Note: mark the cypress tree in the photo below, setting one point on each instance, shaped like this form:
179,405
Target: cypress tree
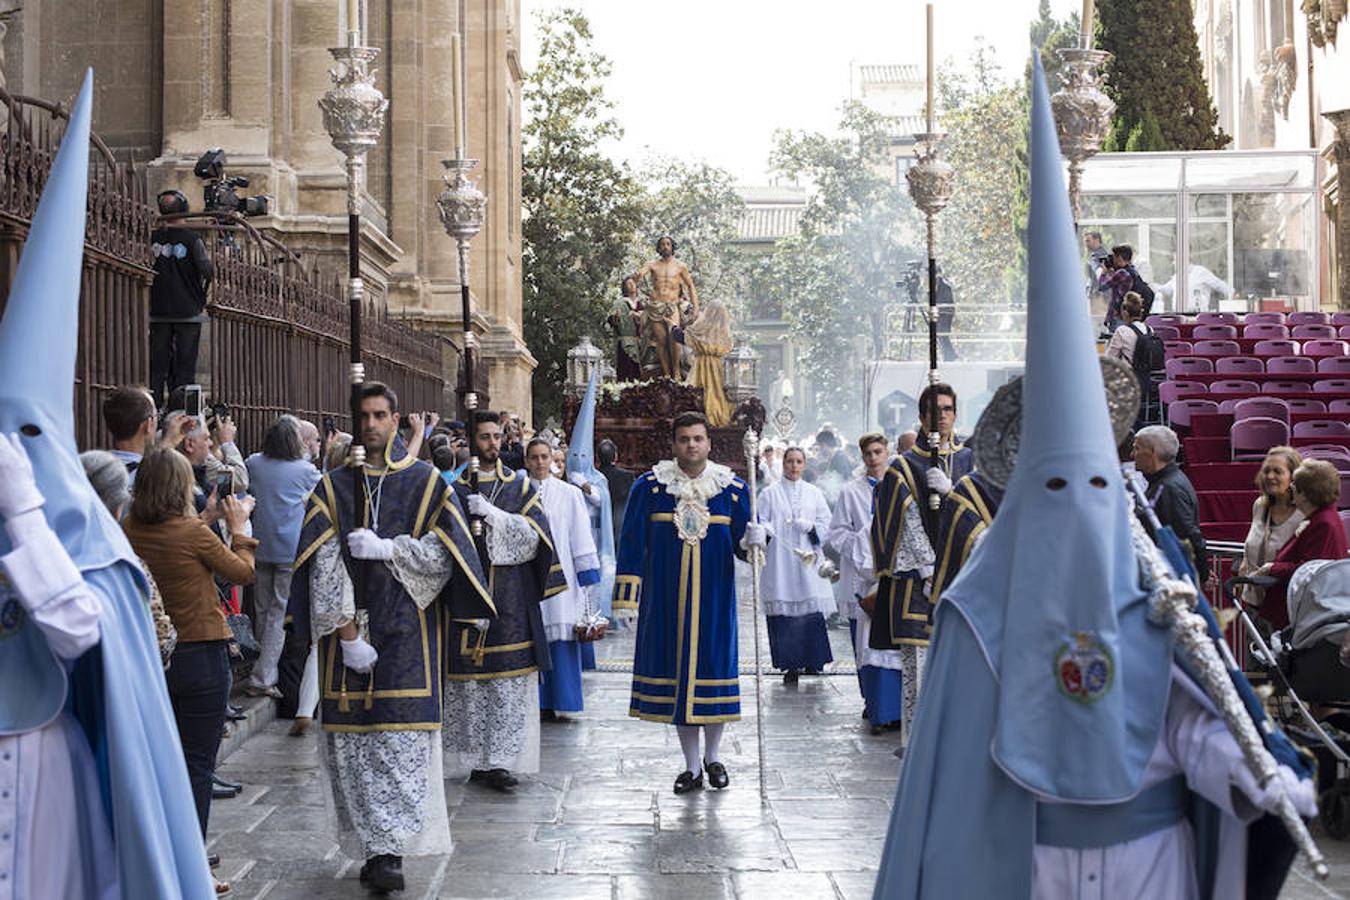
1146,135
1155,66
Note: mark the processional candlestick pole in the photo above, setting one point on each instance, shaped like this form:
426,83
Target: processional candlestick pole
1082,111
930,186
353,115
750,444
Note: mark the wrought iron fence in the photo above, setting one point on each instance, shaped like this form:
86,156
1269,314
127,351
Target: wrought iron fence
278,329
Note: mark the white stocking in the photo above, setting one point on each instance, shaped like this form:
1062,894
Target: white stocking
712,742
689,744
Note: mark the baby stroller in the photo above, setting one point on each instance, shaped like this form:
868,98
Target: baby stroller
1304,654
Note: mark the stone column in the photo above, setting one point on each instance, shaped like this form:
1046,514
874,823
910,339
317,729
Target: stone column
1341,151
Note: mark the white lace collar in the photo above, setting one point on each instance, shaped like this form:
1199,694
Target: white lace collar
712,481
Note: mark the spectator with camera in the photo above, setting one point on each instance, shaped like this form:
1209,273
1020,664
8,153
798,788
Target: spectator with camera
129,414
183,273
280,479
184,557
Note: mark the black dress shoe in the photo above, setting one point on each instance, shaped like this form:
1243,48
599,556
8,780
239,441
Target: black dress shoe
213,860
383,874
501,780
791,676
234,713
223,793
478,775
717,774
813,671
547,715
221,782
688,781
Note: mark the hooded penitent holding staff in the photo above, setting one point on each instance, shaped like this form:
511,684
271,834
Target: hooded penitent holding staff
97,802
1059,750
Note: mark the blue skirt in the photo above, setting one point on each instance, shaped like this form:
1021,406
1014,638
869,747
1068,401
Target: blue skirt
881,690
799,642
588,656
560,689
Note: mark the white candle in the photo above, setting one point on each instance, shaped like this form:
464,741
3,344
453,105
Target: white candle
457,86
354,17
931,116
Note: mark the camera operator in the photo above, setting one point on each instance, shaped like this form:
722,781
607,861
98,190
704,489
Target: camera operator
183,273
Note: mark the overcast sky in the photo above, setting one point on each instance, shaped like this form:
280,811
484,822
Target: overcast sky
713,79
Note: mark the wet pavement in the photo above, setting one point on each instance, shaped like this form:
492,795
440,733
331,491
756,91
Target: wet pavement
600,820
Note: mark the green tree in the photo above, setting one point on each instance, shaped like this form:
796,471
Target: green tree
1155,65
580,209
697,204
1145,135
835,280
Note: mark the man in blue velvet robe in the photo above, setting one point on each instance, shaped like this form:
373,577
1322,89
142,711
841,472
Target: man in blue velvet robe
967,513
906,530
380,655
492,696
685,521
96,800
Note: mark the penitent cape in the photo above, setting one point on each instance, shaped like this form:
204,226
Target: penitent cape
115,690
581,461
1054,578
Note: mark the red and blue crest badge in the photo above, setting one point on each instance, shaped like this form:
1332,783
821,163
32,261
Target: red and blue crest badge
1084,668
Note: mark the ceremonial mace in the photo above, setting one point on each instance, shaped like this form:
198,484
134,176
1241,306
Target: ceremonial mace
353,115
930,186
462,209
1173,605
1081,110
751,445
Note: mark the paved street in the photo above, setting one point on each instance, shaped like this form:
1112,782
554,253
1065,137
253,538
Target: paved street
600,821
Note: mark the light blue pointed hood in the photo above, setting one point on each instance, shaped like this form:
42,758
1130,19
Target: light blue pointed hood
1053,591
39,335
581,461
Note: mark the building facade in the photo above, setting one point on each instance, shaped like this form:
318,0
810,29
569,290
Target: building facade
175,78
1279,71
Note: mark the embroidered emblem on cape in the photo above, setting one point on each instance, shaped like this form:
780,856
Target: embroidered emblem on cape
11,611
1084,668
692,495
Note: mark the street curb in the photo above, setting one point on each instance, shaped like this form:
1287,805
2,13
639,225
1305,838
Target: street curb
259,712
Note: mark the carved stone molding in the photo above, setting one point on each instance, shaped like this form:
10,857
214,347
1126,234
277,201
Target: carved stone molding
1340,119
1324,18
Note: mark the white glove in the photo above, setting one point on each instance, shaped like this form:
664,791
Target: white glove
577,478
358,655
1286,781
482,507
18,489
938,482
481,624
756,535
366,544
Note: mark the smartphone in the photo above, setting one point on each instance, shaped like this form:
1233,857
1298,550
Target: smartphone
192,400
224,485
329,425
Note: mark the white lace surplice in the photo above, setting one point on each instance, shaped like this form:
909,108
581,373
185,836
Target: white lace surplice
493,723
385,787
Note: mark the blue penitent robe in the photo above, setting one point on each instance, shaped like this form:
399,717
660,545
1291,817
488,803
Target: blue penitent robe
685,664
967,513
904,612
404,690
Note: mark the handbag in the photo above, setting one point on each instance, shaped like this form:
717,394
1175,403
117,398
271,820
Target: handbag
243,646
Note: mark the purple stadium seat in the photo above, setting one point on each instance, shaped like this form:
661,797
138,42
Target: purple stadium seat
1172,390
1326,348
1290,365
1262,408
1251,438
1340,318
1228,407
1339,407
1239,365
1332,386
1166,332
1314,332
1344,333
1322,428
1344,502
1335,365
1179,412
1301,387
1345,518
1306,405
1216,318
1157,319
1308,318
1276,348
1263,331
1233,386
1182,366
1264,318
1325,451
1176,348
1215,332
1217,348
